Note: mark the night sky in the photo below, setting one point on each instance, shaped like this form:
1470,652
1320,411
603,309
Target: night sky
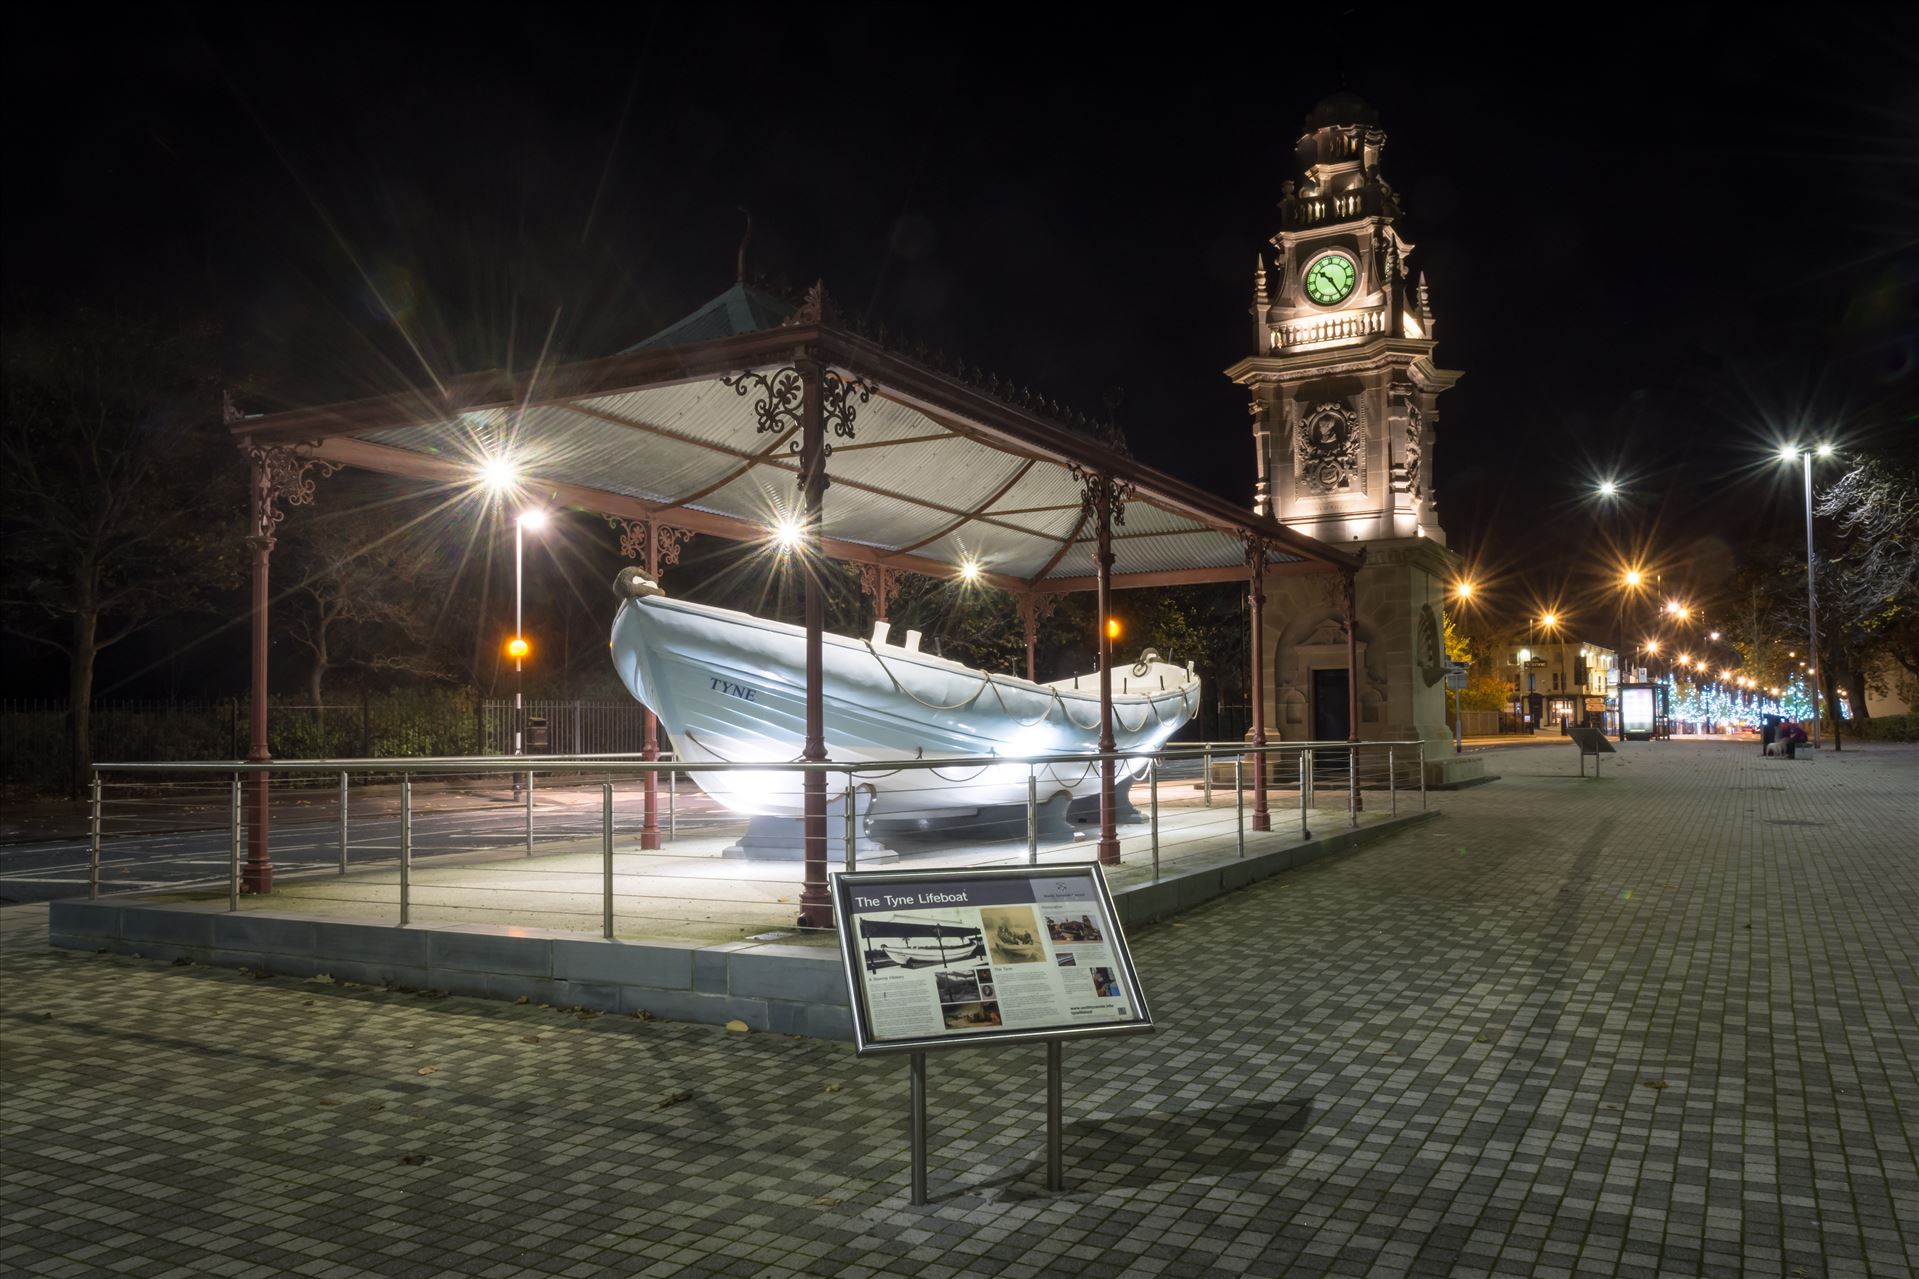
1654,244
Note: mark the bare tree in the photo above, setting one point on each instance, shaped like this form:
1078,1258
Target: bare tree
1875,508
368,591
122,498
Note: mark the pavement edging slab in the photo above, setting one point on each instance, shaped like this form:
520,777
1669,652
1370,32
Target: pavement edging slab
771,987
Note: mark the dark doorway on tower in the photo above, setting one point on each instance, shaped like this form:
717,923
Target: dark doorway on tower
1331,713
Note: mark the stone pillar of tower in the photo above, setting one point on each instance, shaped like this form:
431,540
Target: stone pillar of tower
1344,410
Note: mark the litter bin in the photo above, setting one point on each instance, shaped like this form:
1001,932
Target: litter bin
538,737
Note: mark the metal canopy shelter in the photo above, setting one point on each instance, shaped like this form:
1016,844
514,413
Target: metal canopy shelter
933,469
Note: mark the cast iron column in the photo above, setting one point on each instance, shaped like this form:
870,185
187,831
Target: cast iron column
649,722
1108,848
275,472
258,874
1262,819
1352,688
816,910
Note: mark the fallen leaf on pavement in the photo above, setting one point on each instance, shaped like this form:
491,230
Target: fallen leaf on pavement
673,1100
426,1070
531,1039
1657,1083
738,1026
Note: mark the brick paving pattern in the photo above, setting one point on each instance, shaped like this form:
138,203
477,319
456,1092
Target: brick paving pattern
1659,1024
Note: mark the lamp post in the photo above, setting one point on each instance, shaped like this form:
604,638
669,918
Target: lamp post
1789,454
1632,580
533,519
1463,593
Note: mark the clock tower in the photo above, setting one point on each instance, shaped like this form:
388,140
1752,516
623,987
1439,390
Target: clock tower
1344,410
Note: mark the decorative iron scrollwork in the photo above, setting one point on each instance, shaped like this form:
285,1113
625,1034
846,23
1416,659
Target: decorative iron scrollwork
881,584
781,395
1097,489
782,400
839,400
280,471
634,534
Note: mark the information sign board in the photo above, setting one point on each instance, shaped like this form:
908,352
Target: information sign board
961,956
1456,677
1636,709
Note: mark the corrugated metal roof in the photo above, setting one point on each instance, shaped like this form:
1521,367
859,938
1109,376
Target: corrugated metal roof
906,481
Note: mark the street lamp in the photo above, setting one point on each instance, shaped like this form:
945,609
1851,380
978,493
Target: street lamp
1629,583
533,520
1788,455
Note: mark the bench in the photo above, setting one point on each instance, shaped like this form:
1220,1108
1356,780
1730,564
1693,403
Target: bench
1590,741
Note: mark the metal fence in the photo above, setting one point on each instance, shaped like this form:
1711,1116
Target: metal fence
566,727
564,842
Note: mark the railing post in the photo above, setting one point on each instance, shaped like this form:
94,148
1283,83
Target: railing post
1239,803
1305,794
343,823
1032,816
1422,776
233,851
529,812
1208,761
93,838
406,850
606,861
672,817
1392,781
1154,766
852,825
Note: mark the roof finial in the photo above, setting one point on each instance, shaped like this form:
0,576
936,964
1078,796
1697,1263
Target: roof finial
739,270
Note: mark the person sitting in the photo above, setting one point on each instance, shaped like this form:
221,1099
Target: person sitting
1791,734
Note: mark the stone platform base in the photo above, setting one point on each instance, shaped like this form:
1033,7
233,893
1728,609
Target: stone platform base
797,990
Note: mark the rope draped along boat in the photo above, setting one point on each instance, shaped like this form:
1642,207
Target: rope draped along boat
732,688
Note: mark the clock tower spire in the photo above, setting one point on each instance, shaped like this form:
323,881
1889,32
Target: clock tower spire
1342,377
1344,395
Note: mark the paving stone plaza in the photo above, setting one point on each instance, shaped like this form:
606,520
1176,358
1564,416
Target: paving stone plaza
1662,1023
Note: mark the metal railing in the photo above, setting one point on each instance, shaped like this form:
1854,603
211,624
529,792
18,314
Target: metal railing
464,838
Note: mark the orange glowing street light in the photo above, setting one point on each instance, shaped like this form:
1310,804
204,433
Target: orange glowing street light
1112,628
517,648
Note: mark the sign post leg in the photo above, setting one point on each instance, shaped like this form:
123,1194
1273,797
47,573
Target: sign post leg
917,1130
1055,1118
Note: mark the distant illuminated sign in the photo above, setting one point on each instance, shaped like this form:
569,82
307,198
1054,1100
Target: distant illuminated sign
1636,710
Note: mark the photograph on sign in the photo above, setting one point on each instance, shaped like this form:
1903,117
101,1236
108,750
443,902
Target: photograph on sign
940,958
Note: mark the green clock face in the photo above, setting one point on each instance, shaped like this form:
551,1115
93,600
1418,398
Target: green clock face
1330,278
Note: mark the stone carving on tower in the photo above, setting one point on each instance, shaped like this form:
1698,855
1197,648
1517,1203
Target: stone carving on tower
1329,450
